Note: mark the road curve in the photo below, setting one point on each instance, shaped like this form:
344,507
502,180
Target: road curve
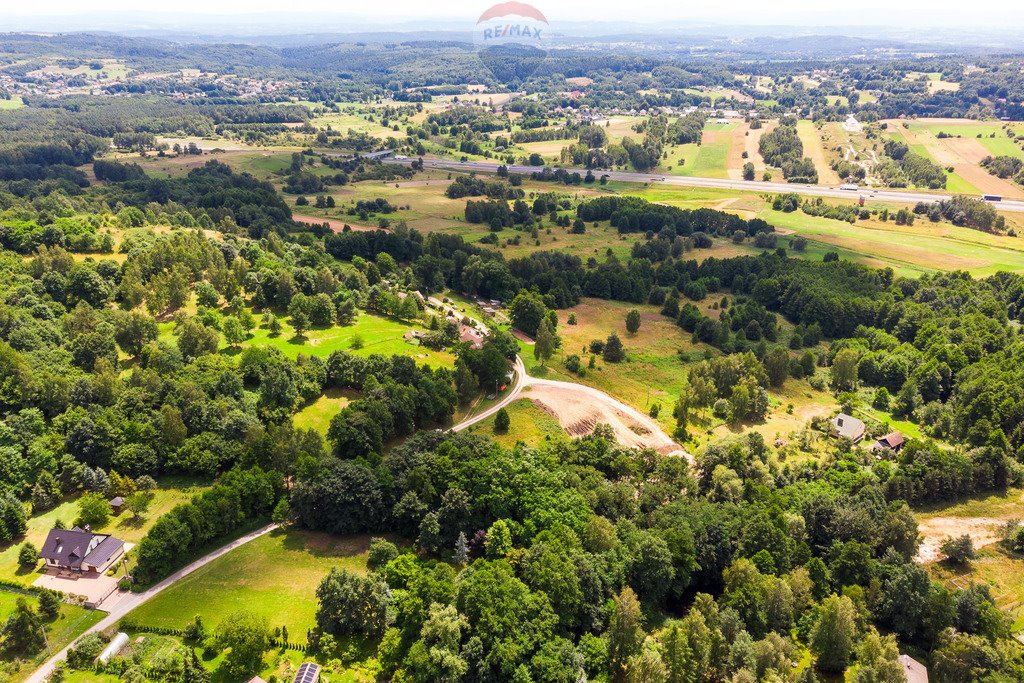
130,602
523,380
513,393
889,195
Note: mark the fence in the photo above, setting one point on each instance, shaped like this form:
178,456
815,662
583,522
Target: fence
180,633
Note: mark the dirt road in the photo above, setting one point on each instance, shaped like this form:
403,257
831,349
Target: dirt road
579,408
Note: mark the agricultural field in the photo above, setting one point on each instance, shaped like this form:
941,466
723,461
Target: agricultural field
923,247
356,120
712,158
963,155
814,150
274,576
934,81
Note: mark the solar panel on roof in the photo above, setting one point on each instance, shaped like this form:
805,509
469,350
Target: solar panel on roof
309,672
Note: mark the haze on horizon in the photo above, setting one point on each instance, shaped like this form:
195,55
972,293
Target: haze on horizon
232,16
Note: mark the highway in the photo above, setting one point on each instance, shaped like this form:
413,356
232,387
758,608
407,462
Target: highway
887,195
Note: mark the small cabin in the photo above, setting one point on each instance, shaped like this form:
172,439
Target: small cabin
913,670
848,427
116,505
893,441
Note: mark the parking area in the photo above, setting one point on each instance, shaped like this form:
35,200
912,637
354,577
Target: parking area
95,588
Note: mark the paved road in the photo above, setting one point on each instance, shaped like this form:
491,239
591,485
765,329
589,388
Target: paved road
909,196
512,394
130,602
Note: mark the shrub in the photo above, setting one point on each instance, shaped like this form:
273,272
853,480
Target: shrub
28,555
502,421
381,552
959,550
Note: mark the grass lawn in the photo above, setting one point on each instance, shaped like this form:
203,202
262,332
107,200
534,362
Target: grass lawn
528,424
172,491
708,159
653,373
12,103
378,335
275,576
349,120
999,569
317,415
71,623
713,155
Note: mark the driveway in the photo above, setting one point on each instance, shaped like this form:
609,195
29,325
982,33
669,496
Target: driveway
93,587
126,602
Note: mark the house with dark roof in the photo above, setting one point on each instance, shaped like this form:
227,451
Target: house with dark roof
848,427
893,441
80,550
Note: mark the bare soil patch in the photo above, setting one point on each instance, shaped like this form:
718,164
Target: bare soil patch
335,224
734,162
982,530
580,410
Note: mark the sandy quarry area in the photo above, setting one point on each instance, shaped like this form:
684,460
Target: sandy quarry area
982,530
579,409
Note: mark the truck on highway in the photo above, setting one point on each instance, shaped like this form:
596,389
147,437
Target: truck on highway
852,187
992,198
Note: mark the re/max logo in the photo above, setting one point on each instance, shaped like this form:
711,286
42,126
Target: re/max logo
512,31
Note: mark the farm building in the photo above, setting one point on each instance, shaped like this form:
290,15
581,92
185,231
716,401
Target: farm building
848,427
893,441
308,672
80,550
913,670
474,338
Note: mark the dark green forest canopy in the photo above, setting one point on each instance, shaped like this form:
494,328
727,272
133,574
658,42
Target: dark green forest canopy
103,376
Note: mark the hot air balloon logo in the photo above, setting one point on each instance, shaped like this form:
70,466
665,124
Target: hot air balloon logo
512,40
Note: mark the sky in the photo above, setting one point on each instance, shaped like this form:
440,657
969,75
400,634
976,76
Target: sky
909,13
